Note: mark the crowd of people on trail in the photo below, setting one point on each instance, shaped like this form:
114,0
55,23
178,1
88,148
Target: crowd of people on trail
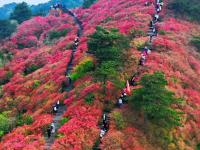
56,6
105,126
122,99
56,9
76,42
145,52
51,129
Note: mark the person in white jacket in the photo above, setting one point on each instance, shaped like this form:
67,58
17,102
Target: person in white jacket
53,129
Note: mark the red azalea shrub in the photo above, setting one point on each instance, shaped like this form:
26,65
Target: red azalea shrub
81,130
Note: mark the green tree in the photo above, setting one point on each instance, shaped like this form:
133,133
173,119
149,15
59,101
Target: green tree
107,45
88,3
119,120
155,101
6,29
21,12
107,71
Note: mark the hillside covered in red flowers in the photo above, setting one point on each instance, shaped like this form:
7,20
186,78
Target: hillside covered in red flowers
31,82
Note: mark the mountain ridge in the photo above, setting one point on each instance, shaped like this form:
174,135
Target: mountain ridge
46,59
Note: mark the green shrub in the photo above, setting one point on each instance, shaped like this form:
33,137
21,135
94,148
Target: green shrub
5,57
36,83
162,32
57,34
107,20
141,46
1,91
22,120
68,46
89,99
9,75
81,69
119,121
31,69
64,120
96,145
60,135
136,33
108,107
196,42
5,124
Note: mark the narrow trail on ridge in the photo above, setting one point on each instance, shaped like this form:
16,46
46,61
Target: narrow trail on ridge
138,70
69,87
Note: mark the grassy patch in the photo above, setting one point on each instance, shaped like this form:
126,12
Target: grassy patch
119,120
89,99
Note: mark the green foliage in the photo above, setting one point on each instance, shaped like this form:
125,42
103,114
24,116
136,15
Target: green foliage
89,99
119,121
60,135
198,146
21,12
31,69
64,120
88,3
189,8
1,91
196,42
57,34
22,120
162,32
155,101
68,46
81,69
9,75
136,33
107,20
4,124
141,46
36,83
96,145
6,29
108,107
107,45
107,71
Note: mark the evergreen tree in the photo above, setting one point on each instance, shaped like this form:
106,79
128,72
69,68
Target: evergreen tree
107,45
21,12
107,72
155,101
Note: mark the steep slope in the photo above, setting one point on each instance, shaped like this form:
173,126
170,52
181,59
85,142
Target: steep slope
171,53
35,91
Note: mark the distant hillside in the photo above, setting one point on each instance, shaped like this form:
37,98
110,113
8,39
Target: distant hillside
37,9
6,10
